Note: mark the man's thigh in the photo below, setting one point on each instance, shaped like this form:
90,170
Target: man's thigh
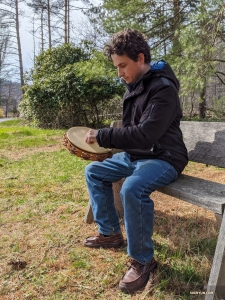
148,175
111,169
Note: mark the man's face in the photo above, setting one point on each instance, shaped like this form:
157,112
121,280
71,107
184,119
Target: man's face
128,69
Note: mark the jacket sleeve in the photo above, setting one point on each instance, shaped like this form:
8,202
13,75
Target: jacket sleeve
157,117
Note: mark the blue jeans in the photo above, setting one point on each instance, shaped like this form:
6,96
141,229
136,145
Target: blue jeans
142,178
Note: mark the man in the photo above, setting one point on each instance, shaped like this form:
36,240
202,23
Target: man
154,154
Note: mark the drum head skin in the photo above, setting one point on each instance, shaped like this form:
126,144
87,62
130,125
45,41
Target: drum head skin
76,136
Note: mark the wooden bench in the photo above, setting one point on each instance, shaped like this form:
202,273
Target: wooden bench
205,142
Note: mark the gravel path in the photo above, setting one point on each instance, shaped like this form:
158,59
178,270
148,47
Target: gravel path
5,119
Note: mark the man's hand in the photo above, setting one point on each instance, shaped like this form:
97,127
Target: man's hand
90,136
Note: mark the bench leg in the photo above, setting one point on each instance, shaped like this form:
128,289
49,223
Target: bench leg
88,218
216,284
219,219
117,200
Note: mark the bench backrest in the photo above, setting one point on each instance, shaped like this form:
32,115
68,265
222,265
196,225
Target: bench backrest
205,141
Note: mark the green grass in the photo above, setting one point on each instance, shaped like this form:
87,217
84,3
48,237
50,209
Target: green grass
42,182
14,135
43,198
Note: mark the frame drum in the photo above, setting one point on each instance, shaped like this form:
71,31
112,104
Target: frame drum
74,141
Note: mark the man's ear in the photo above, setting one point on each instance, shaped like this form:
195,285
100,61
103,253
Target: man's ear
141,58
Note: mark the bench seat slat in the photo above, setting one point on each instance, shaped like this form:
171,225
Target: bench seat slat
204,193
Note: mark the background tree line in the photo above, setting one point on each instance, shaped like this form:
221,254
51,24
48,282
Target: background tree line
189,34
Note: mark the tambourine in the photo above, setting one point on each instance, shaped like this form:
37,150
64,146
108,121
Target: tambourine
74,141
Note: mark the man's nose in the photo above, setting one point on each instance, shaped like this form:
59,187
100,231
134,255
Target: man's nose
120,72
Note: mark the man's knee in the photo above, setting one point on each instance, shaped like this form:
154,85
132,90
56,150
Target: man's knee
91,168
136,191
127,191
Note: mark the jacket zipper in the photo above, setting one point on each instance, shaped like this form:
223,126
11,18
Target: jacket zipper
133,112
151,110
150,113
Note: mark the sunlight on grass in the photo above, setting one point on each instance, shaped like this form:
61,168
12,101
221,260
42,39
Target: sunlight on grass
17,137
9,123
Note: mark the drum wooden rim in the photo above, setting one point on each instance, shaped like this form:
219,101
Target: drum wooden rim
76,136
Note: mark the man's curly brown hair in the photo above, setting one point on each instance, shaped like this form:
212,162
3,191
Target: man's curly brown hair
130,42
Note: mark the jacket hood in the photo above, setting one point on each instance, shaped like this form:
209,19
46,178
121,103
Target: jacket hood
159,68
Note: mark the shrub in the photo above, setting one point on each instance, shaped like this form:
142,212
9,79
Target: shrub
69,88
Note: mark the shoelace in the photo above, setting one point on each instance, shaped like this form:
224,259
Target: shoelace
134,264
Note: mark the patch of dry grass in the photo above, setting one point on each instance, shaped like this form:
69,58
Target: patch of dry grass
43,199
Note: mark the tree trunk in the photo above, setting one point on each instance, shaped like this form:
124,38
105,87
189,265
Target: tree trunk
68,19
8,98
34,42
176,27
42,30
66,22
202,103
49,26
19,44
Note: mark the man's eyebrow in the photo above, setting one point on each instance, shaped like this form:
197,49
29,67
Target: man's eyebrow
119,64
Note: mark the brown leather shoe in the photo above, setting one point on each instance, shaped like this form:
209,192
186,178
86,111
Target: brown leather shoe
112,241
137,276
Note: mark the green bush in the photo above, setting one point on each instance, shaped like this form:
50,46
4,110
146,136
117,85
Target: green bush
69,88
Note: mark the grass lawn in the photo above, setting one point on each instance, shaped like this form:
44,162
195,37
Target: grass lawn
43,198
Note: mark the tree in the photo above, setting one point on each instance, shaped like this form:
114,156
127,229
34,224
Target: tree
67,21
4,44
159,20
10,96
52,19
18,41
6,51
200,42
12,11
184,32
46,10
69,88
6,47
90,34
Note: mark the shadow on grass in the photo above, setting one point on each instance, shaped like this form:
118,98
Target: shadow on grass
184,247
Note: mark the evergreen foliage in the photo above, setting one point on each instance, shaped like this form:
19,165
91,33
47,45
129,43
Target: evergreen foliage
189,34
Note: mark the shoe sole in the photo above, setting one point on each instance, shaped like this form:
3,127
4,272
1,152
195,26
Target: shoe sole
115,246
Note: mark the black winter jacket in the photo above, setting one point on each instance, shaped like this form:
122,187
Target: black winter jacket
151,120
